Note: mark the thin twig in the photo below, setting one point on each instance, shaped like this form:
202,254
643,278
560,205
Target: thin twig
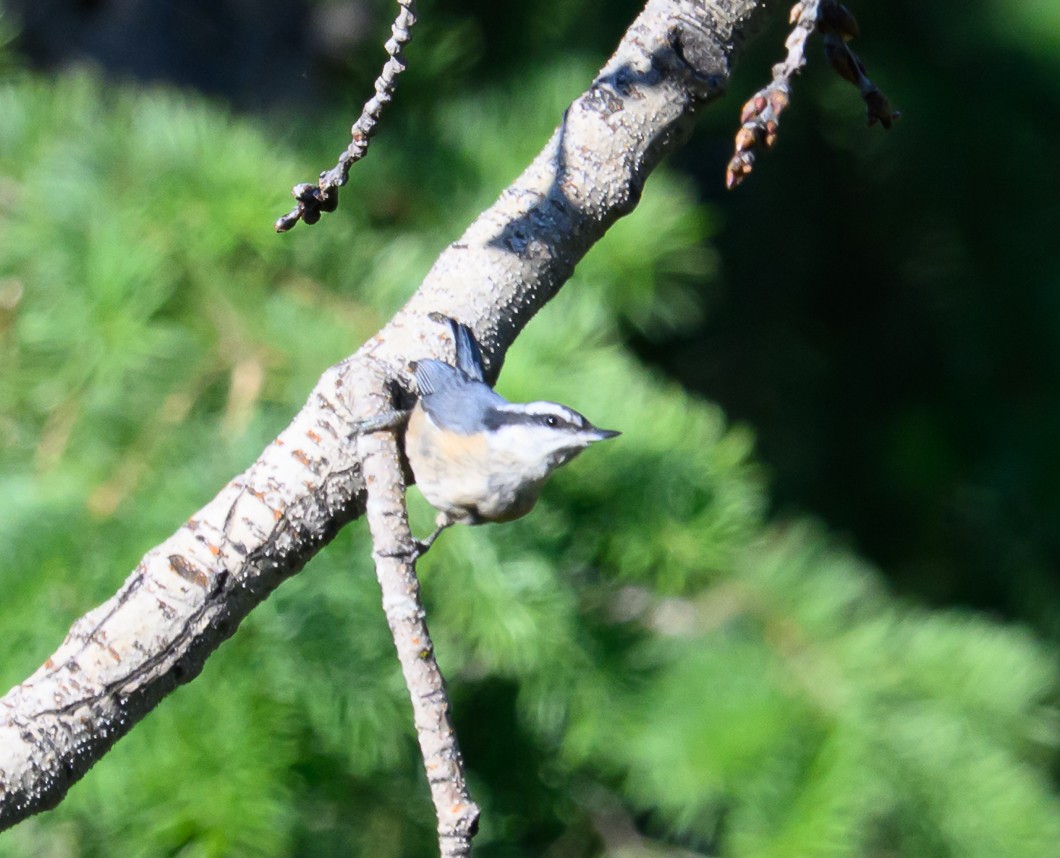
838,26
394,552
313,200
760,116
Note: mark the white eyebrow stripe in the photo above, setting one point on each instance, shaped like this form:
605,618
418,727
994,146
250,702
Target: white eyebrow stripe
542,409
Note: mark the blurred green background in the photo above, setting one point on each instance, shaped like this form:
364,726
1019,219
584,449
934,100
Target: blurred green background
807,605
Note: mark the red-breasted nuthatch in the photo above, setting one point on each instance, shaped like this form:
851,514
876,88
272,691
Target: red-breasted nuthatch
477,457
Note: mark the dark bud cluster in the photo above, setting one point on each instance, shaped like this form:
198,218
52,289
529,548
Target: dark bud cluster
838,27
312,202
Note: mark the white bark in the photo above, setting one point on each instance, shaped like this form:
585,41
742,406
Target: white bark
190,593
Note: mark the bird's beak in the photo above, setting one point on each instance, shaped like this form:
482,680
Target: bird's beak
604,434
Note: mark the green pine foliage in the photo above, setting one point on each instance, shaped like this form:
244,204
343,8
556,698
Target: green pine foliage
646,665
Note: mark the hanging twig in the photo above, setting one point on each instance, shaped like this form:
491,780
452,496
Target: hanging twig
313,200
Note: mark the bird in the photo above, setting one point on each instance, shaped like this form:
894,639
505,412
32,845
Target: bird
477,457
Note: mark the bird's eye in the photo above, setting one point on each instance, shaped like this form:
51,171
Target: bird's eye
551,421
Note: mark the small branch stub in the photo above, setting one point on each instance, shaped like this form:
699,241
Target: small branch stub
760,116
315,200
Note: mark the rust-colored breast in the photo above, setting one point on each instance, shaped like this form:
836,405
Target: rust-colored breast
451,469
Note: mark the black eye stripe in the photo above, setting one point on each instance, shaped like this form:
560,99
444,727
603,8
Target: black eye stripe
504,417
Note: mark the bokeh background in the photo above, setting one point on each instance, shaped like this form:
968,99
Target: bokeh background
808,605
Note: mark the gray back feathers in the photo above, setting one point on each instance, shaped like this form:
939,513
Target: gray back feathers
457,398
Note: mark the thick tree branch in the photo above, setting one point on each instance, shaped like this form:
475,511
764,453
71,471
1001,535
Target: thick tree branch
190,593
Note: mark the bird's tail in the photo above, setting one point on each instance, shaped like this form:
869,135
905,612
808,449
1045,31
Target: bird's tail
468,353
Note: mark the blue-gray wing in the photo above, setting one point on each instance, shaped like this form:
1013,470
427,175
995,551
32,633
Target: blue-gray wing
452,400
435,376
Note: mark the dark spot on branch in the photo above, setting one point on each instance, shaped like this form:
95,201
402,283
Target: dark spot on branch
188,571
